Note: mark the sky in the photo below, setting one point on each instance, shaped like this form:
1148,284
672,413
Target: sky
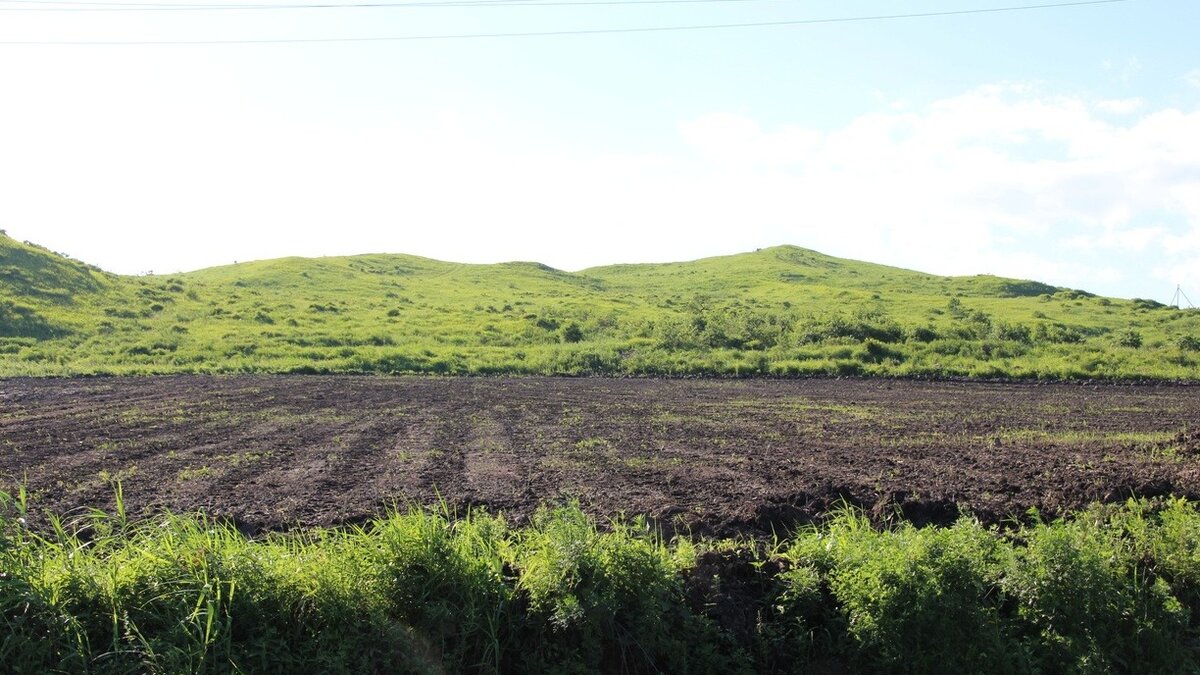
1057,143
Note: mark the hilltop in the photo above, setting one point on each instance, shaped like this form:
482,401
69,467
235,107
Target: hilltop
780,310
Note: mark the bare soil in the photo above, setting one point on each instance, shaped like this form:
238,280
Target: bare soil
717,457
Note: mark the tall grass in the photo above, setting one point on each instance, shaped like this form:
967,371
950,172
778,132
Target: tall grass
1113,590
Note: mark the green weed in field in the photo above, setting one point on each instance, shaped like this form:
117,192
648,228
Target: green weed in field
1115,589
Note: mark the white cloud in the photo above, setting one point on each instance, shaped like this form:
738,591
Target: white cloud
1126,72
1001,179
1120,106
1133,240
1193,78
726,137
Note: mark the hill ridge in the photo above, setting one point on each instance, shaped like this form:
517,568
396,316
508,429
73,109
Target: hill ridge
8,244
781,310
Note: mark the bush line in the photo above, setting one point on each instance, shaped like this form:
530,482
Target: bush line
1116,589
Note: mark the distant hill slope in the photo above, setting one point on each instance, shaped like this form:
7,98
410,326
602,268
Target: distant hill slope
32,277
781,310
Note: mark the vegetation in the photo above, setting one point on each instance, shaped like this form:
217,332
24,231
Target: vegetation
1115,590
777,311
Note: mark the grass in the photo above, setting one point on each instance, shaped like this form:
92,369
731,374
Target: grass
1116,589
776,311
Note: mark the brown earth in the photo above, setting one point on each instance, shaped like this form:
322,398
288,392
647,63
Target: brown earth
710,456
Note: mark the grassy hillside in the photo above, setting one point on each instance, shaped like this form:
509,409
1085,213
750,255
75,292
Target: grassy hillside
781,310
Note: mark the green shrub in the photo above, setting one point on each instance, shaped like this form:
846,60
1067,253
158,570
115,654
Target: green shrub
860,327
1107,592
1130,338
605,602
923,334
846,368
1012,332
446,579
788,633
1188,343
915,600
1084,606
1059,334
572,333
1170,538
877,352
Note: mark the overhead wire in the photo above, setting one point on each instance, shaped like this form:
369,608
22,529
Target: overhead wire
572,32
181,7
91,6
114,3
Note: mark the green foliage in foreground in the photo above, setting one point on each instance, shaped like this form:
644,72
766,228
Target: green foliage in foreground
1115,590
781,311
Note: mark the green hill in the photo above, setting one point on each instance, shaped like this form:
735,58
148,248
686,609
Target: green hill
781,310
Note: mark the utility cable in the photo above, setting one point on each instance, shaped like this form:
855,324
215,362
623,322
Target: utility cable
169,7
585,31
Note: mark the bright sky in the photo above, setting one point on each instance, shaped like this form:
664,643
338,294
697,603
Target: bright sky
1061,144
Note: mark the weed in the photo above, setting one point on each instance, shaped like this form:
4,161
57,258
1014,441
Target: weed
1114,589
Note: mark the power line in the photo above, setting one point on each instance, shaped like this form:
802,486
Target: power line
586,31
135,5
175,7
110,3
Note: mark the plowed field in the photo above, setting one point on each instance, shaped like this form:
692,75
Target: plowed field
709,456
